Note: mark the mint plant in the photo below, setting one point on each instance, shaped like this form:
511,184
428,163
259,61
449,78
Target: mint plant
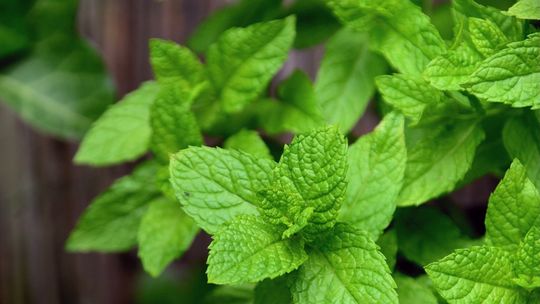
332,222
270,219
505,269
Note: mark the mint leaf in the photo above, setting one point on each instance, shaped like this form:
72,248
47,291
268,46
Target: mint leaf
526,262
525,9
172,62
165,232
243,60
449,71
426,235
521,138
486,36
111,221
463,9
510,76
60,88
297,109
347,267
216,185
398,29
443,153
513,208
248,250
344,83
410,95
250,142
313,169
174,126
376,169
122,133
412,291
476,275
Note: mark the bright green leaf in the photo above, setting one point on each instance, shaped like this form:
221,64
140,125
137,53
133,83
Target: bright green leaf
216,185
123,132
345,268
172,62
476,275
398,29
248,250
174,126
344,83
525,9
250,142
165,233
376,170
514,207
111,221
244,60
525,263
510,76
521,136
438,157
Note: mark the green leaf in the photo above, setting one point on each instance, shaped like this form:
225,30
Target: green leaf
346,268
165,233
344,83
449,71
248,250
389,247
521,136
216,185
122,133
250,142
376,169
273,292
244,60
298,109
513,208
476,275
526,264
172,62
59,89
442,153
310,175
412,291
426,235
111,221
510,76
174,126
243,13
398,29
464,9
410,95
486,36
525,9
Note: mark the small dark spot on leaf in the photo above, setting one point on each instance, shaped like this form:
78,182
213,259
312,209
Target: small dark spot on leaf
187,194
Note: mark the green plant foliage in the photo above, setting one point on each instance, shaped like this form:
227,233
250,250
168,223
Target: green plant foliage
300,208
